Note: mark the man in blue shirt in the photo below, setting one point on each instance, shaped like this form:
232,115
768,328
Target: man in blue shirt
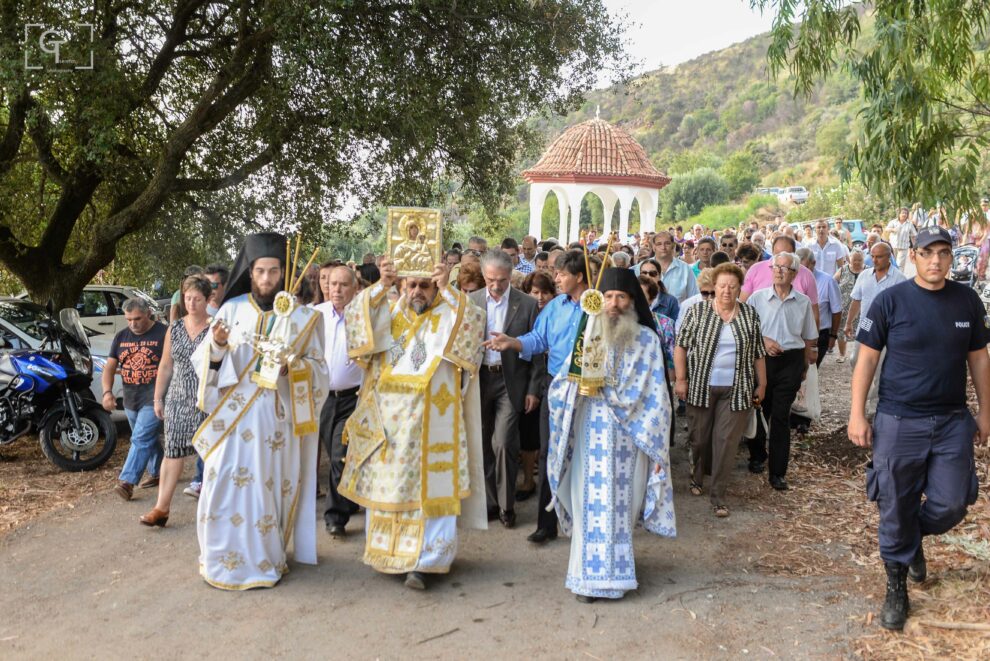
923,433
553,333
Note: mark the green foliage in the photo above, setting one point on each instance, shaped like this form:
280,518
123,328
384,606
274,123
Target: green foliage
850,200
220,117
924,72
689,193
741,172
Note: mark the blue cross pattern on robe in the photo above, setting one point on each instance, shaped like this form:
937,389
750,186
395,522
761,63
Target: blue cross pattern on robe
596,507
598,424
623,481
636,427
651,402
596,565
621,510
598,451
624,453
597,479
622,564
595,536
641,367
633,393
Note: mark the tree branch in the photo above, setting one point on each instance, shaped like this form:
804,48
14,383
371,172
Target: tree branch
11,143
41,135
234,177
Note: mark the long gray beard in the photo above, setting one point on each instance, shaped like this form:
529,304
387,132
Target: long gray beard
620,332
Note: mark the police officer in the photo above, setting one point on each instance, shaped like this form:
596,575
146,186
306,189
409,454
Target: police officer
923,434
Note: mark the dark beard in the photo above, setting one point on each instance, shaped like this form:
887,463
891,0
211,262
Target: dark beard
264,302
618,333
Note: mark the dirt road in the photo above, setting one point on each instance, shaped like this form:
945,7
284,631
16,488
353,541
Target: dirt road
90,582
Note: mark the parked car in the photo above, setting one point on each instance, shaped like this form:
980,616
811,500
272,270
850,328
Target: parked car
793,194
19,330
857,232
773,190
101,307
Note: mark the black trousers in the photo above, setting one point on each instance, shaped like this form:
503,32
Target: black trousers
824,336
336,411
784,374
545,520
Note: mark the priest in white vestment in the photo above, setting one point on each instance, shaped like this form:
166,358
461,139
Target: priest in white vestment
609,465
414,440
259,443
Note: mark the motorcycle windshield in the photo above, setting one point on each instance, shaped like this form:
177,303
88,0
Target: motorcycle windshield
70,322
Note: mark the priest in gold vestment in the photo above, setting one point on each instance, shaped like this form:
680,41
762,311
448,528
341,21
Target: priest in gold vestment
414,441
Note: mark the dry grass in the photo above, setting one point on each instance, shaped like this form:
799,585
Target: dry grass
30,486
826,527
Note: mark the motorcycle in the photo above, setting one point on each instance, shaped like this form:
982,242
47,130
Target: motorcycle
48,390
964,265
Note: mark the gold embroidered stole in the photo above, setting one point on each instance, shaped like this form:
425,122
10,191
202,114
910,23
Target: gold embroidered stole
239,398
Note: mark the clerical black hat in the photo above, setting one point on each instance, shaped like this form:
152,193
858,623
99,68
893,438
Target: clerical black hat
256,246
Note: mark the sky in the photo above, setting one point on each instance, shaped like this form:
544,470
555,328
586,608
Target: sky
669,32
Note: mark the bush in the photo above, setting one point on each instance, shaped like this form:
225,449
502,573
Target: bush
730,215
690,193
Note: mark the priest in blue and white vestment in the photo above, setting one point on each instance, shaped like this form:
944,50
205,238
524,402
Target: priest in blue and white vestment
609,464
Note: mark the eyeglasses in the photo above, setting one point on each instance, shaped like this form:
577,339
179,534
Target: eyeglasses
728,244
707,294
925,253
779,267
651,273
476,253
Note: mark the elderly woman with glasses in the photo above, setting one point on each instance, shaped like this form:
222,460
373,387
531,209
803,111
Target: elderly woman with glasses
720,372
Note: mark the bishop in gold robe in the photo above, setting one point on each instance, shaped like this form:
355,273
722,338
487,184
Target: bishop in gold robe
414,441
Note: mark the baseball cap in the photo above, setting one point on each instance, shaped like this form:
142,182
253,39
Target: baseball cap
929,235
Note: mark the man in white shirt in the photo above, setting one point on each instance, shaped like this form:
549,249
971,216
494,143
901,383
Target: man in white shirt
678,277
903,240
830,254
509,386
829,305
339,285
790,336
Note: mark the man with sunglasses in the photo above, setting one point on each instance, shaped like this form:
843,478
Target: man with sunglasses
923,433
728,244
217,274
676,276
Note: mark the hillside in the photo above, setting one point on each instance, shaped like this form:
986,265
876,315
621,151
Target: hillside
713,106
724,111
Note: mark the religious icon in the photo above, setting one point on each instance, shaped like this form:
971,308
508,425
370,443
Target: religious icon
414,244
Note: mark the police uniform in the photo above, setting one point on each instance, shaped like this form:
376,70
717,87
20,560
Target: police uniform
923,432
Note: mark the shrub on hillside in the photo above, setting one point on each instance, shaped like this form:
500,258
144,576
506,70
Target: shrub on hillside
689,193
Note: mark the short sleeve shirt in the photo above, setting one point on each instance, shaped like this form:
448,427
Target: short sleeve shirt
138,357
928,336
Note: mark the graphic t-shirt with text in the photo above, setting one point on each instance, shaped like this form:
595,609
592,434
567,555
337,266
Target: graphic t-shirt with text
137,361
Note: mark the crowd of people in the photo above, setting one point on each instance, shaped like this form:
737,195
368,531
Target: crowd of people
498,349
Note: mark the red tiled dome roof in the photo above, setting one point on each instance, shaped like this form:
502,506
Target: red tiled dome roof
596,152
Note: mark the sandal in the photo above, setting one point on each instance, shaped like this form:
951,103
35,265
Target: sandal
721,511
695,488
840,359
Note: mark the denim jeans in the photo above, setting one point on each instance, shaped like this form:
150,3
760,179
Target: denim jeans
146,451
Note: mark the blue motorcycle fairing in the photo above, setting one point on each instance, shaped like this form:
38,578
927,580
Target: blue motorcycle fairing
36,370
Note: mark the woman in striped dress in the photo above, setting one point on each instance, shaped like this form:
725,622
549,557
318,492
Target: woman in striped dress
177,378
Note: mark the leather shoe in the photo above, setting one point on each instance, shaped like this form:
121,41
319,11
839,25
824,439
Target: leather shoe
523,494
756,466
492,513
541,536
124,489
778,483
155,517
585,599
149,481
918,569
336,530
508,518
415,581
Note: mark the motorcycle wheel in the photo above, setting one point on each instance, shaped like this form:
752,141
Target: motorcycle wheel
79,449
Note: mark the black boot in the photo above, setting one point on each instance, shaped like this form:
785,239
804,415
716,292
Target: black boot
896,606
918,569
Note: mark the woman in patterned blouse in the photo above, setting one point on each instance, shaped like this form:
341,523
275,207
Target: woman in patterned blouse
720,371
